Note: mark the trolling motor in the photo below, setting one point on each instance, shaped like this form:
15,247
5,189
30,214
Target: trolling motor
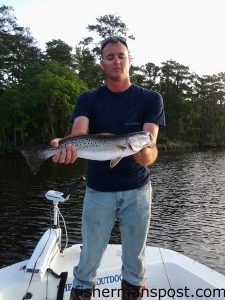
50,243
57,197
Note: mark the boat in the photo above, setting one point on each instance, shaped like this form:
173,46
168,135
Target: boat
48,273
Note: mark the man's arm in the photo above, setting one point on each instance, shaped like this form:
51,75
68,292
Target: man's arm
68,155
147,156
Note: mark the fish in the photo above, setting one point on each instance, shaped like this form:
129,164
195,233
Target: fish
99,147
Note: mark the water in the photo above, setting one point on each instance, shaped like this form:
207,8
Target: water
188,208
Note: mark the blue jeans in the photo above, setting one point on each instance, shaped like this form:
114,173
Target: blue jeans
100,210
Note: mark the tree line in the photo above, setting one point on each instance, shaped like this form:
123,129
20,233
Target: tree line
38,89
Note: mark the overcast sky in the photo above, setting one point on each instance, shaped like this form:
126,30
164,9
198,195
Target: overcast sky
191,32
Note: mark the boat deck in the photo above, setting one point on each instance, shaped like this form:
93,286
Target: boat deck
169,275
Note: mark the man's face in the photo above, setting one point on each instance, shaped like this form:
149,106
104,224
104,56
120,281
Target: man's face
115,61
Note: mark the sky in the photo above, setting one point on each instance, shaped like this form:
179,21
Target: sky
191,32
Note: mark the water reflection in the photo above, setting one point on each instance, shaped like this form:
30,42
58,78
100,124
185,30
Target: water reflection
188,209
188,206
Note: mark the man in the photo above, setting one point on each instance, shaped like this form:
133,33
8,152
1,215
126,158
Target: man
124,192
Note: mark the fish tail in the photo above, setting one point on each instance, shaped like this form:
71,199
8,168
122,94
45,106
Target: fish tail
34,159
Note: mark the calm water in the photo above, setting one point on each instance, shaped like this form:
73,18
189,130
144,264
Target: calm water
188,209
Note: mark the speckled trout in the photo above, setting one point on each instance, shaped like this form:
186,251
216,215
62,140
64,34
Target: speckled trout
94,147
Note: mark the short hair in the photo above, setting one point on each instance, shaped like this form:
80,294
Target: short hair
114,40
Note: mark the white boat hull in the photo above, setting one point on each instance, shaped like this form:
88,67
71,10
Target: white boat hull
169,275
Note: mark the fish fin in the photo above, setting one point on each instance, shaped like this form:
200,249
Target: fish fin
114,161
33,159
70,136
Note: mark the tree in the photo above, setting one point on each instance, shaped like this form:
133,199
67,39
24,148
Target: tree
38,90
40,108
209,97
59,51
175,86
13,118
88,51
110,25
146,76
87,68
7,20
54,89
17,48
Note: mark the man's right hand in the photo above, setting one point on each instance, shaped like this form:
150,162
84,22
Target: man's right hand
67,155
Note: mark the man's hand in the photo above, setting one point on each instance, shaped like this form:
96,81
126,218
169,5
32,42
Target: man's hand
68,155
146,156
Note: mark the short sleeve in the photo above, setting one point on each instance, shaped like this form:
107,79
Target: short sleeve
154,109
82,107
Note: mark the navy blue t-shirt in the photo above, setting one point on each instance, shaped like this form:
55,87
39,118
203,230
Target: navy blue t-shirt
119,113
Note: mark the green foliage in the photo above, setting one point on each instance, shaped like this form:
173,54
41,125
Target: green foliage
110,25
38,89
107,25
17,48
54,89
59,51
87,69
39,109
